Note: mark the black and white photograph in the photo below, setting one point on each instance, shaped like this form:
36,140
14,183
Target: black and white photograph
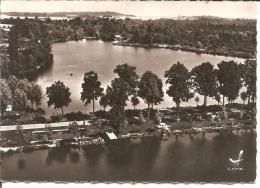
128,91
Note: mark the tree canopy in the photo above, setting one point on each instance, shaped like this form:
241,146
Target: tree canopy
127,74
204,80
59,95
150,89
135,101
178,77
250,78
229,78
91,88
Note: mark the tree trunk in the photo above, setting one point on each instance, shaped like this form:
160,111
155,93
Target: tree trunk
93,107
61,111
223,100
152,105
148,111
178,106
134,107
205,100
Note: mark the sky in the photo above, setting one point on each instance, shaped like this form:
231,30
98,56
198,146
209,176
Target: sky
142,9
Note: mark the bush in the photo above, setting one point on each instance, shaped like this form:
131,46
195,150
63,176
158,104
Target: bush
102,114
182,125
132,113
210,108
134,120
56,118
236,105
40,119
78,116
234,115
40,111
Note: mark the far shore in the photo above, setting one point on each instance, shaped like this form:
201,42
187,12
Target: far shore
185,49
169,46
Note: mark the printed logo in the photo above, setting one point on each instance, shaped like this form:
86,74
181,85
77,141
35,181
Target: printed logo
236,162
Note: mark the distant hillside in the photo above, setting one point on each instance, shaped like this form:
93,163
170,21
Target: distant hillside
63,14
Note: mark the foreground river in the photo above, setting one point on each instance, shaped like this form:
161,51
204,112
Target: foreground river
72,59
185,159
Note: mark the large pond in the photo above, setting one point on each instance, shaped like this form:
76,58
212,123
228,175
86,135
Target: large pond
72,59
183,159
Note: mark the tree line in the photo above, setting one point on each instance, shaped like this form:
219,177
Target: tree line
17,92
29,49
224,81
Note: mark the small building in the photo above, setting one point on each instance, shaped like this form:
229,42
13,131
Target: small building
9,108
108,136
111,136
118,38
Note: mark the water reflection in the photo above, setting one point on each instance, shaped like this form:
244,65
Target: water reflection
203,158
21,164
120,154
58,155
92,154
148,152
74,157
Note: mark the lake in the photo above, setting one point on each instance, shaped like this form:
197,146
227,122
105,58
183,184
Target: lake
78,57
183,159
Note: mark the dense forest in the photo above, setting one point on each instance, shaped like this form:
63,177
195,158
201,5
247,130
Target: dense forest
30,39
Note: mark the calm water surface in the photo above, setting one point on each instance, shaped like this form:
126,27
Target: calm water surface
102,57
185,159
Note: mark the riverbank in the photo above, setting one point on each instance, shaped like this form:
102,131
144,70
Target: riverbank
220,52
77,141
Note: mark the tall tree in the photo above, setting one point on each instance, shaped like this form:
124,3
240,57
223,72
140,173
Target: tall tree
250,79
150,89
104,99
135,101
117,95
59,95
178,77
91,89
5,94
117,117
19,99
128,74
229,79
37,95
34,94
204,80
